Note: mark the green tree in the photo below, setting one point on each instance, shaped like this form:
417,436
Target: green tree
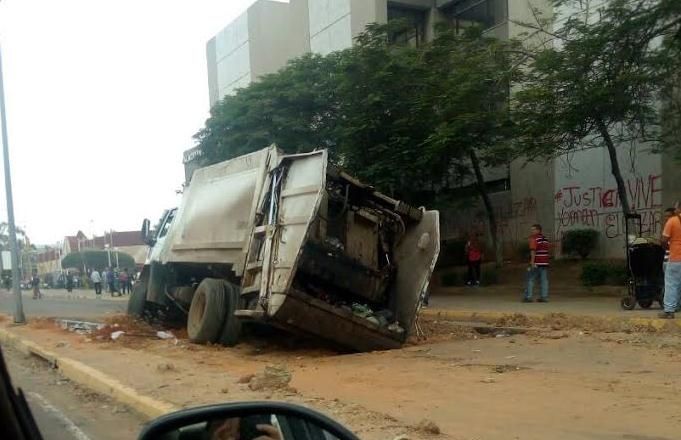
598,82
22,239
380,129
468,79
291,108
97,259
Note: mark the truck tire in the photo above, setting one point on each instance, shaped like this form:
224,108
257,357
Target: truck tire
207,311
138,299
231,329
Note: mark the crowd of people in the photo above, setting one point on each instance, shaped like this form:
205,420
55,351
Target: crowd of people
117,282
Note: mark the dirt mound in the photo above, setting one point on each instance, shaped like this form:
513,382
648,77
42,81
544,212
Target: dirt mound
125,330
434,330
514,320
42,323
272,378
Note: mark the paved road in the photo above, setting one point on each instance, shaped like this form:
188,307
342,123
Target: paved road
56,303
64,411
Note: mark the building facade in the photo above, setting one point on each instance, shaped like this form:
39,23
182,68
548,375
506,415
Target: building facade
571,192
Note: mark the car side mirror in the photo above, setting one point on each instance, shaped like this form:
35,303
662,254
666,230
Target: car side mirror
246,421
146,232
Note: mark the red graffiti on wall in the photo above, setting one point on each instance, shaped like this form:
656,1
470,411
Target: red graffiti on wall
600,208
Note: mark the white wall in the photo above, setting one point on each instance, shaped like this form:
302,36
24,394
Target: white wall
586,195
232,56
330,25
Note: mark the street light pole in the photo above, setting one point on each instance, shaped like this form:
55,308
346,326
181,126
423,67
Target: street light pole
19,317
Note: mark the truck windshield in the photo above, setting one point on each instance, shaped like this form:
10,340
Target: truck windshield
166,224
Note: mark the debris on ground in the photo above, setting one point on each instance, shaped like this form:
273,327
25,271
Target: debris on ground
505,368
165,335
559,335
80,327
61,344
514,320
42,323
440,330
117,334
488,380
166,366
273,377
428,426
245,379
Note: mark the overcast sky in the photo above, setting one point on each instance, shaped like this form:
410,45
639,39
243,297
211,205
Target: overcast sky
102,98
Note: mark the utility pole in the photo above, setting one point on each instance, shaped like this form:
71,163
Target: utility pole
19,317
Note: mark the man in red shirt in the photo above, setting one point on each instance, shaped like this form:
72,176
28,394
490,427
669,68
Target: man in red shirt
539,265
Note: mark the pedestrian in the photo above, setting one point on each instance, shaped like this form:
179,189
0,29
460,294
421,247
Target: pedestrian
671,237
539,264
97,281
110,280
668,213
35,282
123,281
69,282
131,280
473,259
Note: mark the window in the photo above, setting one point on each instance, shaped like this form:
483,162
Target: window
485,13
415,34
168,221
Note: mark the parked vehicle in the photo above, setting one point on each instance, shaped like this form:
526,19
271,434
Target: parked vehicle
289,241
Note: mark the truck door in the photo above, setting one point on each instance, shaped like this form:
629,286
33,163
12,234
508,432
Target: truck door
299,195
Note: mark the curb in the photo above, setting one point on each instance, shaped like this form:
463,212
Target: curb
91,378
493,317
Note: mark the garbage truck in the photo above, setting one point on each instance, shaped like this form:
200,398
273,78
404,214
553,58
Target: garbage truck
292,242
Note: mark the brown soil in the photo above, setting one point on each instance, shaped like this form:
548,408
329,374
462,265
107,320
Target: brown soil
494,387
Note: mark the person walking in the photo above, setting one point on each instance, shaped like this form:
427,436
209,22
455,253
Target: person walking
35,283
123,281
96,279
473,259
671,237
131,281
110,280
69,282
539,265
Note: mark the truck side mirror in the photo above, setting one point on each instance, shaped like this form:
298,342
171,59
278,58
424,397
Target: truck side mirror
146,232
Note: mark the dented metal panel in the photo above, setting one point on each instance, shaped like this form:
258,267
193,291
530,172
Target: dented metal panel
301,194
214,221
415,256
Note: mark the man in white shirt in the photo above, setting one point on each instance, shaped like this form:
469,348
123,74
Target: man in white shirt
97,281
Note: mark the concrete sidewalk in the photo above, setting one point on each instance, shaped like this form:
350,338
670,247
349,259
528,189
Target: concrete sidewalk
64,294
504,299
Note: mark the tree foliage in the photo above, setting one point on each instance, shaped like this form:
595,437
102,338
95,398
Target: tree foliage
97,259
598,82
22,239
291,108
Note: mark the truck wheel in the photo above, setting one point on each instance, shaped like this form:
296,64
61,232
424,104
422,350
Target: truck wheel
138,299
231,330
207,311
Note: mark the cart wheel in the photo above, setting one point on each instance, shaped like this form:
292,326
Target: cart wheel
628,303
645,304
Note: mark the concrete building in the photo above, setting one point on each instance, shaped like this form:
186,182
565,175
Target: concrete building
269,33
575,191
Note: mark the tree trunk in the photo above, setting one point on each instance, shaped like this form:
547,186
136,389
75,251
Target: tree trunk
480,184
615,167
